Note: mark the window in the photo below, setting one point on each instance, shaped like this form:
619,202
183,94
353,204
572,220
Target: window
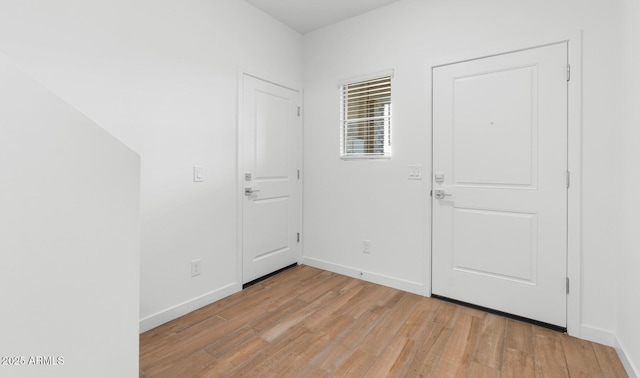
365,118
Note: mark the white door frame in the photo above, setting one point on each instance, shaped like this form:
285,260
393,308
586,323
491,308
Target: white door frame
242,72
574,163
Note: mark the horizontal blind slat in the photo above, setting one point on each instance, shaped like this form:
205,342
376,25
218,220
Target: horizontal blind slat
366,118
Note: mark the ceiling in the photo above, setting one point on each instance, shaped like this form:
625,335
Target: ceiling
308,15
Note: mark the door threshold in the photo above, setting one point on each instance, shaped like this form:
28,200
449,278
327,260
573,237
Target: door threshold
260,279
504,314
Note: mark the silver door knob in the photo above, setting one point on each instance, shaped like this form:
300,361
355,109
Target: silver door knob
249,191
440,194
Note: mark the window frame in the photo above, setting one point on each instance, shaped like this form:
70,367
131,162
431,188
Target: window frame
386,118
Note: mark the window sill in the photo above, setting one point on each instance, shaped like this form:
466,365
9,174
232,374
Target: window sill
347,158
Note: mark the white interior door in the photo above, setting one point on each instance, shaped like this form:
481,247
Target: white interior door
271,200
500,182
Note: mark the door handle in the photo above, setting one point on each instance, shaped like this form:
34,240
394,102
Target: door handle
440,194
249,191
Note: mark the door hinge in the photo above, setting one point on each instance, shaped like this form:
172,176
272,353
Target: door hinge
568,179
298,238
567,285
431,193
298,111
298,174
568,72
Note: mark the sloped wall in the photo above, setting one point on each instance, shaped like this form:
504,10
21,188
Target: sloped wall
69,239
162,76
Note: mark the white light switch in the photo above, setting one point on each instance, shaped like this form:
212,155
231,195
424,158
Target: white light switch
198,173
415,172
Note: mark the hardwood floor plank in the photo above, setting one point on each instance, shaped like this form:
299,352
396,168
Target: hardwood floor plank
317,320
429,352
490,346
581,359
309,371
421,315
273,296
456,356
446,314
363,302
268,358
269,318
550,360
182,344
300,273
356,365
608,361
517,364
230,341
347,342
213,309
519,336
306,322
387,357
294,363
188,366
232,361
334,284
477,370
327,338
296,318
152,338
391,299
402,361
378,339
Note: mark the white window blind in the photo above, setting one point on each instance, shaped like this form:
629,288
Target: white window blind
365,118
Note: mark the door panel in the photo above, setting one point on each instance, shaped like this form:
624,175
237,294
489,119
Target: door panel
271,227
272,147
508,241
500,145
509,115
270,162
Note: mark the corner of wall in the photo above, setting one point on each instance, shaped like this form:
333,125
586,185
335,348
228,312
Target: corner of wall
629,366
597,335
393,282
184,308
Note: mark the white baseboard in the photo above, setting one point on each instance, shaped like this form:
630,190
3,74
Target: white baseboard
184,308
629,366
608,338
597,335
396,283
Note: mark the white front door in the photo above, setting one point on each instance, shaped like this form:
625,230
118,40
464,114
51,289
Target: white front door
270,177
499,182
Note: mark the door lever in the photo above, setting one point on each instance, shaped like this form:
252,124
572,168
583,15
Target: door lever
249,191
440,194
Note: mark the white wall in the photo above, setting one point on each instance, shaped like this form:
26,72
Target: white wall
346,202
162,76
628,309
69,238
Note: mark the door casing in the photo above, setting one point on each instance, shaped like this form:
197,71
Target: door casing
574,208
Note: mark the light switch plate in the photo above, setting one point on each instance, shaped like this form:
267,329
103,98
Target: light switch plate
198,173
415,172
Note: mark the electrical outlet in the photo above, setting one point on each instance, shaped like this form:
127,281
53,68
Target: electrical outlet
196,267
366,246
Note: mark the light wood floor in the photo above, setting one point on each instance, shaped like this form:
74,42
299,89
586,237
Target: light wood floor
307,322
